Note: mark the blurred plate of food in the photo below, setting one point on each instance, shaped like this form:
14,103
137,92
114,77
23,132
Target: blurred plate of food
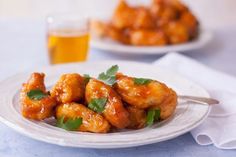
161,27
105,109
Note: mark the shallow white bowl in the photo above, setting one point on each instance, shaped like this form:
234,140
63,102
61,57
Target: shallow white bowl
186,117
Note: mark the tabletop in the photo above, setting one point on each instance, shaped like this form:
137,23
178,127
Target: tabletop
23,47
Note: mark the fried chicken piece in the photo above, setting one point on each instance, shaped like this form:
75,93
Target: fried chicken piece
32,108
114,111
98,28
132,17
91,121
102,29
148,37
190,21
177,32
180,7
140,96
123,15
137,117
143,19
167,14
174,4
168,106
69,88
120,35
163,13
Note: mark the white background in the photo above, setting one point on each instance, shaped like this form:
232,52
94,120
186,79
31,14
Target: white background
212,13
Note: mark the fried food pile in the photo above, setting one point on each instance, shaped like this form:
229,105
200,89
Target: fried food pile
110,102
164,22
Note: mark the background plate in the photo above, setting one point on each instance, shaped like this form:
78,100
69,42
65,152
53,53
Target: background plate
115,47
185,118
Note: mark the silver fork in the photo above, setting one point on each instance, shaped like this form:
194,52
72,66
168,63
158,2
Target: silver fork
201,100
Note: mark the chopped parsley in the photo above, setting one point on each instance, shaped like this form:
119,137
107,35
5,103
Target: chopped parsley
141,81
109,77
152,115
70,124
98,105
36,94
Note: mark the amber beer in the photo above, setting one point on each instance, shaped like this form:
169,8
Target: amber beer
68,47
67,38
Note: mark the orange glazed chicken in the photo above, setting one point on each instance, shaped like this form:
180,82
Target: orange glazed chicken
36,103
69,88
140,95
164,22
137,117
114,110
91,121
146,93
111,102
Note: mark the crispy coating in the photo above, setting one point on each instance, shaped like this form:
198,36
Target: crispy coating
101,29
137,117
124,15
174,4
143,19
98,28
92,122
163,12
69,88
120,35
177,32
140,96
148,37
190,21
168,106
114,111
36,109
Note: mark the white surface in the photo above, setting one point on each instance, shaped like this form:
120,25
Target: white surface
187,116
219,128
115,47
212,13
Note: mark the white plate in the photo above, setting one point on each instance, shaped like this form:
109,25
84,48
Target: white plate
185,118
115,47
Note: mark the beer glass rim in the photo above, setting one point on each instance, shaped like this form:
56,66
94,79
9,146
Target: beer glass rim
66,16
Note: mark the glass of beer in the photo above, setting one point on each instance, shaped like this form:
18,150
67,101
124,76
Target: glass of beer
67,38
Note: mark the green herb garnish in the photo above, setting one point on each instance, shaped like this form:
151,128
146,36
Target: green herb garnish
153,114
142,81
70,124
157,114
86,78
97,105
109,77
36,94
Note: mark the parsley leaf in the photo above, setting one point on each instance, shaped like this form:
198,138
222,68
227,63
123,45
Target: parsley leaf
150,117
141,81
36,94
113,70
70,124
86,78
153,114
97,105
109,77
157,114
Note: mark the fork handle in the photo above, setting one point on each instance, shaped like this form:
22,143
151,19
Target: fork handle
201,100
